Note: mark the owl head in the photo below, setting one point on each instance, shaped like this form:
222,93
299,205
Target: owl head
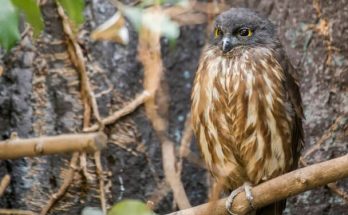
242,27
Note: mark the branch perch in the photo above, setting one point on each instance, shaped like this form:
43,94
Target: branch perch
279,188
17,148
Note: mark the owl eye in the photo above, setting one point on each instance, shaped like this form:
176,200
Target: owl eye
217,32
245,32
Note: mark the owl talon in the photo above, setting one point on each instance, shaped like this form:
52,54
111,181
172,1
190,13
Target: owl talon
249,195
229,201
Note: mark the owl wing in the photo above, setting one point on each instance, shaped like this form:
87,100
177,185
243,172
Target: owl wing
292,90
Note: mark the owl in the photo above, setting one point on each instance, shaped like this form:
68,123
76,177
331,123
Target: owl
246,104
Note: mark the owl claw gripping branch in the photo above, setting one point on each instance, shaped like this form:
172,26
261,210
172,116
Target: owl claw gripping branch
246,105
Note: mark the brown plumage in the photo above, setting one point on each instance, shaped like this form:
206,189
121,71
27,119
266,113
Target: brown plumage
246,105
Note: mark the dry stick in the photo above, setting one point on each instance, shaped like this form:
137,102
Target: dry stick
185,142
100,172
16,212
333,187
4,183
282,187
66,184
149,53
130,107
163,188
77,59
88,98
18,148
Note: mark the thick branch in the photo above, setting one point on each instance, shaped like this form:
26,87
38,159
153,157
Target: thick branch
15,212
17,148
281,187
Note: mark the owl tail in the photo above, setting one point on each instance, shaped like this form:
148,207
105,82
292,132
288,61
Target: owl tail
273,209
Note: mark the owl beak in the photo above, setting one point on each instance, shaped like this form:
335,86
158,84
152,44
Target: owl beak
227,44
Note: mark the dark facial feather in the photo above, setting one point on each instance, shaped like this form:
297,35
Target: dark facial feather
230,22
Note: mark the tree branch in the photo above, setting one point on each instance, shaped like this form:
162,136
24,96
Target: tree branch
4,183
128,108
281,187
16,148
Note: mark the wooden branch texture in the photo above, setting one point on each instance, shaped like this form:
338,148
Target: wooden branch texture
5,181
279,188
16,148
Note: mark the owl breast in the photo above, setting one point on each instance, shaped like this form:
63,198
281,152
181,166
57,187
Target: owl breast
241,116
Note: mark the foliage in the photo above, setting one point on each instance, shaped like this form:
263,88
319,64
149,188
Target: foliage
130,207
74,10
9,33
32,14
9,18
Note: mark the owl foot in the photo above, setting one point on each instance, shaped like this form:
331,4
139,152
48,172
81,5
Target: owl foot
246,187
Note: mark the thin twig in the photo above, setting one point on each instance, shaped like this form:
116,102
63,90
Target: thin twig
77,59
335,189
4,183
127,109
66,184
88,98
83,165
185,142
100,173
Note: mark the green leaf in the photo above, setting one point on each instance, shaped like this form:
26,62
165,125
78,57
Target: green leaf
162,24
130,207
134,14
74,10
32,14
9,33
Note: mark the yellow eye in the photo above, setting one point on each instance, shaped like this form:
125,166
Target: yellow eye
217,32
245,32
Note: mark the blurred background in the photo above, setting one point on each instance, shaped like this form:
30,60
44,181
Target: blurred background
40,95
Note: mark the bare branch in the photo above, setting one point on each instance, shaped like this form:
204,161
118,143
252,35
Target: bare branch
16,212
4,183
333,187
66,184
185,142
17,148
100,173
156,108
281,187
130,107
